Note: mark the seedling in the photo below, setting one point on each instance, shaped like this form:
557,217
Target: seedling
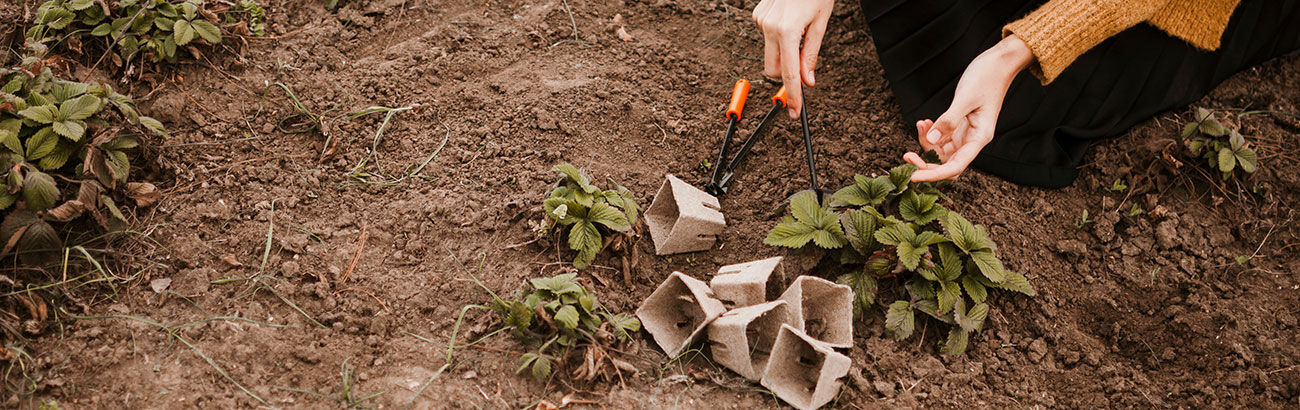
1224,150
1119,185
1083,220
945,263
587,210
1135,211
45,123
558,315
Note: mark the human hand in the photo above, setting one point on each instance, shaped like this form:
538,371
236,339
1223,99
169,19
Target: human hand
968,125
792,31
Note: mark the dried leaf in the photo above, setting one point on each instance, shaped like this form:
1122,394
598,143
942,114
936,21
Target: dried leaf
143,193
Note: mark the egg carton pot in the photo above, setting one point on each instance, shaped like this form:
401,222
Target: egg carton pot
804,371
742,339
822,309
683,218
678,311
750,283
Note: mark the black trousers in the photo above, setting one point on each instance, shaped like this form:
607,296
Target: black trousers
1043,132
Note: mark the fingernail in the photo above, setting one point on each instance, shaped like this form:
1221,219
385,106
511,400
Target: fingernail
933,136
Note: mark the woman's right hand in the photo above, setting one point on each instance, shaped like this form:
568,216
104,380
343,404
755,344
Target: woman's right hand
792,31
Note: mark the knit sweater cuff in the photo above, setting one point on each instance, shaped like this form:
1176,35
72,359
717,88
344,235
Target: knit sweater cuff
1062,30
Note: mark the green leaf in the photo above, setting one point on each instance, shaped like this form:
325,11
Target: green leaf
585,239
58,18
184,32
963,234
1236,140
567,316
1226,160
1017,283
576,176
1211,126
188,10
43,114
956,343
975,289
895,234
7,200
41,143
559,284
989,265
624,325
525,361
949,293
101,30
629,204
829,238
900,320
9,130
604,214
804,207
790,234
80,108
57,158
864,290
875,189
1247,159
919,288
973,320
39,191
207,31
860,229
541,368
558,209
901,175
949,269
918,208
849,196
72,129
910,255
80,4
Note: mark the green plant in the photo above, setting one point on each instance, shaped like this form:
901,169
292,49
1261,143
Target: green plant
254,15
587,210
558,315
1119,185
945,264
80,132
1083,220
1225,150
157,28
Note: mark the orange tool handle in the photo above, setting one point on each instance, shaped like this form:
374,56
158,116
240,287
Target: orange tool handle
779,98
738,96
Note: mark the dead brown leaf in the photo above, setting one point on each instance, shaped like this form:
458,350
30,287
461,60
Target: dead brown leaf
143,193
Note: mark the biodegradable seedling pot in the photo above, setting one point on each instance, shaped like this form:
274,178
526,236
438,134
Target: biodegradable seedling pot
678,311
683,218
822,309
803,371
742,339
750,283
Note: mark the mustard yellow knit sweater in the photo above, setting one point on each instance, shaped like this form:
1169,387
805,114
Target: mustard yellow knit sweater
1062,30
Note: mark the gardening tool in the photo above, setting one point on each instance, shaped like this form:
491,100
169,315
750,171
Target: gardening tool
724,170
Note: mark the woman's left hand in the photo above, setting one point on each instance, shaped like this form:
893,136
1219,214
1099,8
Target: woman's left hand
968,125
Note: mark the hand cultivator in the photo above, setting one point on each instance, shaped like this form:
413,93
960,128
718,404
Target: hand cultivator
724,170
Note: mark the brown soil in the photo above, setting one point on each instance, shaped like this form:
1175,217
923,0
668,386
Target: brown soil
1147,311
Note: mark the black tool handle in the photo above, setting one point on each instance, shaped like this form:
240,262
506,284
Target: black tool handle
807,144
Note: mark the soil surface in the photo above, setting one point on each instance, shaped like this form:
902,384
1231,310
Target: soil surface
1151,310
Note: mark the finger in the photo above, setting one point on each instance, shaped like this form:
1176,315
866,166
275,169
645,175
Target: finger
953,167
812,45
772,55
790,74
915,159
946,125
921,128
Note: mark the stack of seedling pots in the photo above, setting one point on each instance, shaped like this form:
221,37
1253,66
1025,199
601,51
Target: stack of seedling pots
786,341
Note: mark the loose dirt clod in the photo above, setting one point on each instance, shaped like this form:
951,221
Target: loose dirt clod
750,283
683,218
742,339
822,309
803,371
678,311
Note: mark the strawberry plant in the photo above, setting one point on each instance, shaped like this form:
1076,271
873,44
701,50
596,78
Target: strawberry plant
1224,150
79,132
897,229
588,213
158,29
559,315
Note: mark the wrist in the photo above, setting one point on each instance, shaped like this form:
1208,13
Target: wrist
1014,53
